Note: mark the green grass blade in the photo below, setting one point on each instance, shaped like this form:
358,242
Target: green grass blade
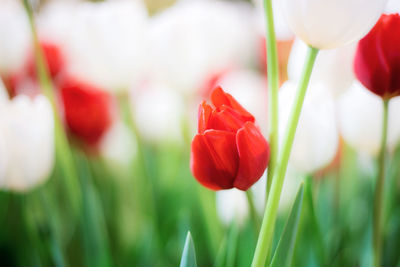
284,251
188,255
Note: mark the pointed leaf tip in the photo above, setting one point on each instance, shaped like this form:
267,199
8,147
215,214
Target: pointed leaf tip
188,255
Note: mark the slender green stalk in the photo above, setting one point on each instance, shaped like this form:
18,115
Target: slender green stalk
379,188
63,151
273,86
271,209
253,211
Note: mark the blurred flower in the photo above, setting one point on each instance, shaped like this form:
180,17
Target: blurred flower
393,6
54,60
229,150
232,205
118,145
26,141
334,67
88,110
191,41
158,111
15,36
377,61
360,120
331,23
282,29
105,43
317,137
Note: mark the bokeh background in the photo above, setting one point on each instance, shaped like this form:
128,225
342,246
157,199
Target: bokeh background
127,78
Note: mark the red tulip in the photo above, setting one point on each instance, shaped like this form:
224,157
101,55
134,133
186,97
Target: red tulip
229,150
377,61
88,110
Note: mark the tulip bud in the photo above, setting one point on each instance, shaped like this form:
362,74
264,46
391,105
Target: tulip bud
377,61
331,23
229,149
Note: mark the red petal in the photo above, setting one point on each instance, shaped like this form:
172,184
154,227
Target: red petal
226,119
377,60
214,159
219,98
253,152
205,111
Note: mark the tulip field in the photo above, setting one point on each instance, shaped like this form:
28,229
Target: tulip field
224,133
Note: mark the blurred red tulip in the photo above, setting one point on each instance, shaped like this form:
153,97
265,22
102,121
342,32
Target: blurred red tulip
377,61
229,150
53,57
88,110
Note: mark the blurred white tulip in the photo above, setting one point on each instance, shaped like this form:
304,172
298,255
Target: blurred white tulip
332,23
158,112
393,6
316,141
118,145
192,40
333,67
282,30
28,131
249,88
360,120
105,43
232,205
14,34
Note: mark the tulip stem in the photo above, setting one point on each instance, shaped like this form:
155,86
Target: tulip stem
63,151
253,210
273,86
268,224
379,188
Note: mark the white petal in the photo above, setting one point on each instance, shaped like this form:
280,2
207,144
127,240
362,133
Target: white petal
316,139
360,119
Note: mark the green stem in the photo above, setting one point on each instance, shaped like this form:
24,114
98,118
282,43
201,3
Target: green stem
63,151
253,211
271,209
273,86
379,188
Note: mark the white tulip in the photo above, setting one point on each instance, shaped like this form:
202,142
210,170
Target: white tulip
158,112
282,29
118,146
332,23
15,36
360,120
28,129
249,88
192,40
333,67
317,137
232,205
105,43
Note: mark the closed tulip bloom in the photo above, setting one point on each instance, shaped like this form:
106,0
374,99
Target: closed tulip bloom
229,149
26,141
88,110
377,61
331,23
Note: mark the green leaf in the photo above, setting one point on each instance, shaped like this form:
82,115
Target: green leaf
284,251
188,255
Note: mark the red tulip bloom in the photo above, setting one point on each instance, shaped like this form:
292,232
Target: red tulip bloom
377,61
229,149
88,110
